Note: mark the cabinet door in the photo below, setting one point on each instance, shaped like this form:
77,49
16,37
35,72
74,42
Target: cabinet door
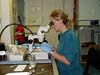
32,11
37,11
89,10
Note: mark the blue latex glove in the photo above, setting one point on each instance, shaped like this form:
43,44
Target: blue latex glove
46,47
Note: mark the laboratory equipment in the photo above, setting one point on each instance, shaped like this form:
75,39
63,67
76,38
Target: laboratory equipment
15,52
40,33
19,34
14,24
40,36
2,51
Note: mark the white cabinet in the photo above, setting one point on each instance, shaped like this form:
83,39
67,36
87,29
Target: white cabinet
37,11
89,9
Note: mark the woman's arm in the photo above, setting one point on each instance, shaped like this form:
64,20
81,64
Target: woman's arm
61,58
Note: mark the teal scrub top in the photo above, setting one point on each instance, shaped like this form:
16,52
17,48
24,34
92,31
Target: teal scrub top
69,47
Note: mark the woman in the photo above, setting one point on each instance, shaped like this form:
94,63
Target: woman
67,54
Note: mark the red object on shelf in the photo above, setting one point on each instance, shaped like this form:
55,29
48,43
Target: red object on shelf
19,34
19,28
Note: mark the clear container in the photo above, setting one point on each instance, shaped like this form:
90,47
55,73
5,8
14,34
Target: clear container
32,64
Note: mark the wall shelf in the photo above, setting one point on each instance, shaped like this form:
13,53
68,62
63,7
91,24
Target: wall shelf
87,32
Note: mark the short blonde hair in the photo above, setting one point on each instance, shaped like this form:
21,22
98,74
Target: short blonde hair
60,14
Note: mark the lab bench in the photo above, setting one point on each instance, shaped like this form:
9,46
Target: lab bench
43,67
40,69
44,63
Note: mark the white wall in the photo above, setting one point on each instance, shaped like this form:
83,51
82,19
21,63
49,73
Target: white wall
68,7
5,20
0,17
0,9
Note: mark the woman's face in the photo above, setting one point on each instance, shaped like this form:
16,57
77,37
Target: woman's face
56,24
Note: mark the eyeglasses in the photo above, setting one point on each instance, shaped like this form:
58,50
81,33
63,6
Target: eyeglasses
51,23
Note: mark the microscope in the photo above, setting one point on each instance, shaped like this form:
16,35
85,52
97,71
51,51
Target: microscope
36,40
38,37
40,34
